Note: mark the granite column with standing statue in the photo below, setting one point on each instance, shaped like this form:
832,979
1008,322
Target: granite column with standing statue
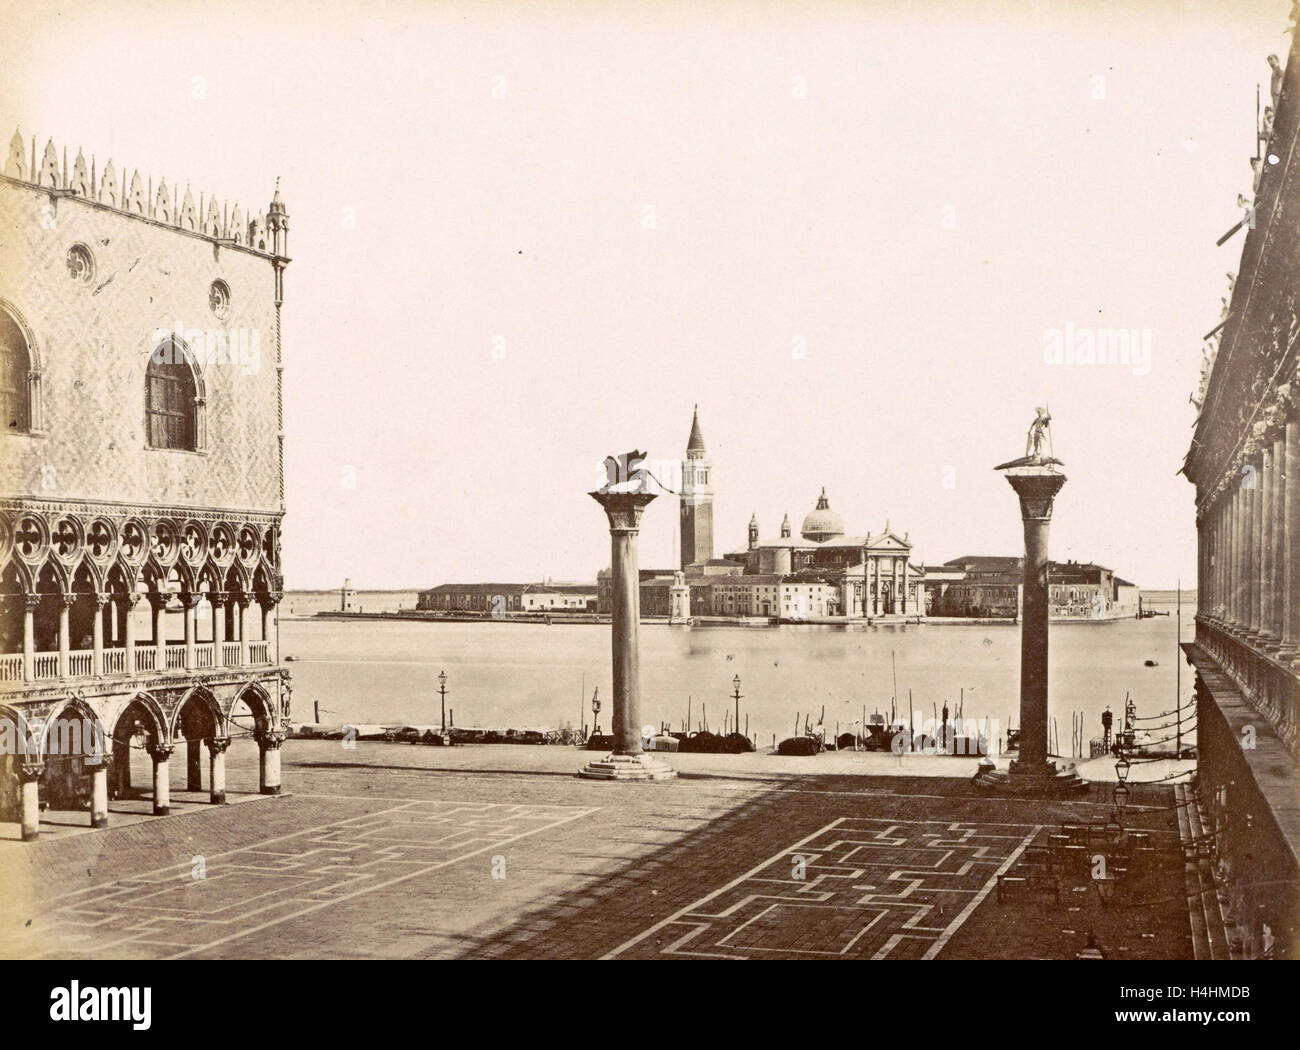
624,497
1036,481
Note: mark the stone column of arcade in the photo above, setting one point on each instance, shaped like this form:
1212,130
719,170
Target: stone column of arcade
162,795
217,764
269,771
623,502
99,793
1036,482
29,776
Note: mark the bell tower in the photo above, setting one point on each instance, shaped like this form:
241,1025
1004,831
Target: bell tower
753,531
696,500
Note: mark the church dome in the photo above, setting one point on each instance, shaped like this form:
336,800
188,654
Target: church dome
822,523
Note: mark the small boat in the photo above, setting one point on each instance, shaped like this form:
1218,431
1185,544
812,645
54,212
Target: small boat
1150,663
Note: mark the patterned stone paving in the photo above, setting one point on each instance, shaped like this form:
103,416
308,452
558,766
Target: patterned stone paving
179,910
859,888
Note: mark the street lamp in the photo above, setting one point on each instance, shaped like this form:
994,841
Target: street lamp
595,713
735,685
442,690
1122,767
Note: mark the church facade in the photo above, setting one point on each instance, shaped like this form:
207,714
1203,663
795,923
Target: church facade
141,486
822,573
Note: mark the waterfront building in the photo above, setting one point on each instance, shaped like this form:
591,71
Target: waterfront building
489,598
141,482
558,597
348,599
1244,460
990,586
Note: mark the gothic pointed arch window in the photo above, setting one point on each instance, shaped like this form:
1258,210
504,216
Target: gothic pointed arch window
19,376
173,398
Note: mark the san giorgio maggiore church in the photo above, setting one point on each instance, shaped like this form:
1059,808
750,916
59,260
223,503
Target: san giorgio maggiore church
822,573
141,489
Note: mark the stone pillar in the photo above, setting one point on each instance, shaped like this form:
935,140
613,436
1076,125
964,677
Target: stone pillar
1036,492
99,794
627,761
1252,552
158,603
97,632
217,768
128,615
65,644
162,795
1277,544
269,767
1036,484
1219,532
189,600
29,777
273,638
30,602
218,600
1264,551
1229,554
1240,586
1291,547
193,764
242,601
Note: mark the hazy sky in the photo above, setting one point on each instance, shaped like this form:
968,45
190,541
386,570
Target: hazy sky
527,235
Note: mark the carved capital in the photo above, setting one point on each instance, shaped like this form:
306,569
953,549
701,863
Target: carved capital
271,740
30,770
623,509
31,601
161,752
218,744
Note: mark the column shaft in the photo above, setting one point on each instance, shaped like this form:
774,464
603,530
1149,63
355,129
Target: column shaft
99,795
626,616
217,769
162,798
1291,545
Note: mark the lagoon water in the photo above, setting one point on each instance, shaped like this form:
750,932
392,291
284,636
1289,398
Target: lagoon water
532,675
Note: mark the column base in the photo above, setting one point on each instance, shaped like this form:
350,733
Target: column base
99,822
161,811
30,834
217,798
1044,782
628,767
275,790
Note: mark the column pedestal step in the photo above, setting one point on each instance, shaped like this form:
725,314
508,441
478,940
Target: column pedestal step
628,767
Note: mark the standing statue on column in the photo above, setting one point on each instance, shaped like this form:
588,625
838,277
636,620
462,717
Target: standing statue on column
1037,434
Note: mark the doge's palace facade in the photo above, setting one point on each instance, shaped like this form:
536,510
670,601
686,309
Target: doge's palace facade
141,485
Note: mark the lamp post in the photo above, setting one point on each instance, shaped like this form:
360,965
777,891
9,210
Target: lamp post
1121,789
735,687
595,713
442,691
